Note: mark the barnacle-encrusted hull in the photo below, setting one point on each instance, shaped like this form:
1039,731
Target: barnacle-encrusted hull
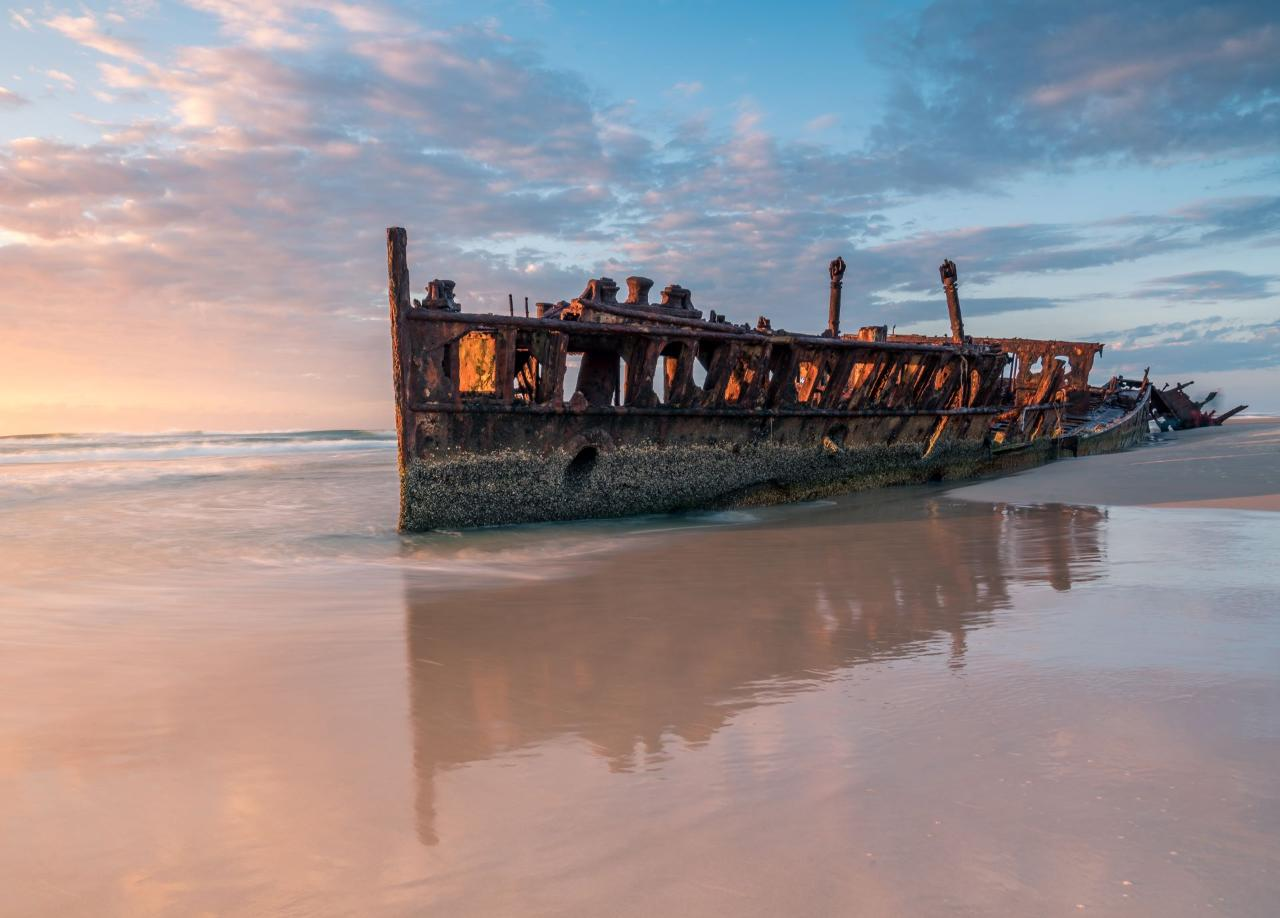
460,489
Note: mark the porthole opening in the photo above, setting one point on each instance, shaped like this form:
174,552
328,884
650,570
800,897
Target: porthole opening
579,470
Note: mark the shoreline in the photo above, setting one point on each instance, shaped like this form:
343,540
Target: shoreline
1235,467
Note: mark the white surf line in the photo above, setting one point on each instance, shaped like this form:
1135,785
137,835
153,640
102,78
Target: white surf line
1203,458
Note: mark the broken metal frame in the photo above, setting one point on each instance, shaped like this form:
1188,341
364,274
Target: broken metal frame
1175,410
639,360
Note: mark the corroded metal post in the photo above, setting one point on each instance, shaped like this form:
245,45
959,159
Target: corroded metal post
948,271
833,307
399,303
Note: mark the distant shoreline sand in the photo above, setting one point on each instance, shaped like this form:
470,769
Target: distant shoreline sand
1236,466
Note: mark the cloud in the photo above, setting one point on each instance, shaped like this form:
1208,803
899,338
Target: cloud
1236,219
292,24
1209,344
19,21
266,189
822,122
907,312
64,78
474,125
691,88
986,253
988,88
11,99
84,30
1208,286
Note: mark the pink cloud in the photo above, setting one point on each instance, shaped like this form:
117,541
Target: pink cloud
84,30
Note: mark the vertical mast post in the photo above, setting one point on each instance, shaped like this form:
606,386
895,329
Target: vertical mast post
947,270
836,269
399,303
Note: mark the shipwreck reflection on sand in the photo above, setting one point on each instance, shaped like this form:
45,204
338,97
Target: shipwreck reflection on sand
654,643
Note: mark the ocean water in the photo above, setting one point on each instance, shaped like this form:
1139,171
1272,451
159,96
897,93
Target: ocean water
230,687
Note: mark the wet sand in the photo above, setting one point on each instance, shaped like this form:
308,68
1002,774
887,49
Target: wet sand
1236,466
232,689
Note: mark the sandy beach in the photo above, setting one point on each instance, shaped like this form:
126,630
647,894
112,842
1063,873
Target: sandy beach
1235,466
232,688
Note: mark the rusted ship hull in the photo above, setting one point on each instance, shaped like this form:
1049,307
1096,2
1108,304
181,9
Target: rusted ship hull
474,452
596,408
1112,435
1109,429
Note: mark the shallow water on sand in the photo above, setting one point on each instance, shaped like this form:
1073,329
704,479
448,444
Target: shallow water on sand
231,688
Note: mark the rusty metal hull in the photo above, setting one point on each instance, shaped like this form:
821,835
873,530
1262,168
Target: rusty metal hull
1124,433
1091,438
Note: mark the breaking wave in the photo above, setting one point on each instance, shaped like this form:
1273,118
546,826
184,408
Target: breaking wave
110,447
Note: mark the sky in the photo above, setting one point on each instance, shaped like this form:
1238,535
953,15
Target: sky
193,196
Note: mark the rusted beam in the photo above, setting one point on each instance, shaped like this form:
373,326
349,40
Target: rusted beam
675,327
494,407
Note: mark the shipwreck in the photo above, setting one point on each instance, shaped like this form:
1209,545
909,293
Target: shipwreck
600,407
